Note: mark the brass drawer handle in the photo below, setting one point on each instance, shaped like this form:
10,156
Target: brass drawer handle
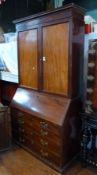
44,143
44,154
43,133
43,125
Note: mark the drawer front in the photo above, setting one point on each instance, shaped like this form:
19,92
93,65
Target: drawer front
20,122
41,137
50,157
18,115
44,153
43,127
47,143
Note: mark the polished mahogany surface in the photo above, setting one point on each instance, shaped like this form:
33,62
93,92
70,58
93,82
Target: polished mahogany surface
55,53
28,58
8,90
46,125
51,108
56,70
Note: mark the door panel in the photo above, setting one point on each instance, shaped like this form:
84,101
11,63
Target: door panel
28,58
55,58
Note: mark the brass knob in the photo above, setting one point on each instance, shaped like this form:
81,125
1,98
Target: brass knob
43,125
43,133
44,143
44,58
33,68
44,154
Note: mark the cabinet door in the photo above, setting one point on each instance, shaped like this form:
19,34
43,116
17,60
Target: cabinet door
55,58
28,58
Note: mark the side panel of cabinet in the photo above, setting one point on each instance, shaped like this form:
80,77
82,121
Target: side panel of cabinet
8,90
28,58
55,58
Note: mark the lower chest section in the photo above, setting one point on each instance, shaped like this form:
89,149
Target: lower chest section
42,138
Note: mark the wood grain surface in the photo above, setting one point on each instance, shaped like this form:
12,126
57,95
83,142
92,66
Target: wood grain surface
55,51
18,161
28,58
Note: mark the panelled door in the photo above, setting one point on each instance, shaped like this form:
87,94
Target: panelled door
28,58
55,58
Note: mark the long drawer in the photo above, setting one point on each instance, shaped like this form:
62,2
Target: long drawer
45,152
45,142
39,125
38,135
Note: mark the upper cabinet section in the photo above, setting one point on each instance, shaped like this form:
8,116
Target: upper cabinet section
51,49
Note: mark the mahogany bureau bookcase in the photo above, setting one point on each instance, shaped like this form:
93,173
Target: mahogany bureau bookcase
45,107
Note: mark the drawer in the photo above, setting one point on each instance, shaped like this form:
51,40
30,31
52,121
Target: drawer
16,112
39,125
49,143
44,135
43,153
19,115
46,143
46,153
21,138
25,120
50,157
45,127
21,122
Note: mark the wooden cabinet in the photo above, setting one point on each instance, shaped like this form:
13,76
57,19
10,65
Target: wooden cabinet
50,46
46,125
5,129
53,76
8,90
45,107
43,140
